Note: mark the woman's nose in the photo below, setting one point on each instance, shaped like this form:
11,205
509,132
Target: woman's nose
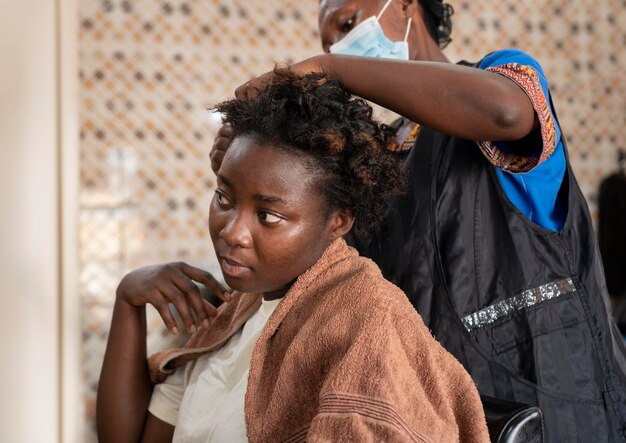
236,232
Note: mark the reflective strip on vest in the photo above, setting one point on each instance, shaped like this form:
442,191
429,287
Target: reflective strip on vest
525,299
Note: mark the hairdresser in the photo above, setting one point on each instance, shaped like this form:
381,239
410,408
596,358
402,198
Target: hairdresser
492,242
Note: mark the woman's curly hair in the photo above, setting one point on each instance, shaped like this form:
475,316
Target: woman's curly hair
316,116
438,20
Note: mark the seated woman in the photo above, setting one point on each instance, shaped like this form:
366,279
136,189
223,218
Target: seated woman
313,343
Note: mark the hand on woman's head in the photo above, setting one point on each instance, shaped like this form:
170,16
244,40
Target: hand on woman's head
220,145
250,89
316,117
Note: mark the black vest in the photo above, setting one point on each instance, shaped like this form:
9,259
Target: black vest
523,308
612,231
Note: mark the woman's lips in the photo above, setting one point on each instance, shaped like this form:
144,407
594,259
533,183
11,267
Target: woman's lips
232,267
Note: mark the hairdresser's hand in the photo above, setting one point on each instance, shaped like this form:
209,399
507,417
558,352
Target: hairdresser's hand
319,63
251,89
160,285
220,145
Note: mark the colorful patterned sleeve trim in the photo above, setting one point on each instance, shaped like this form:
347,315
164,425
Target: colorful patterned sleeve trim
407,143
526,77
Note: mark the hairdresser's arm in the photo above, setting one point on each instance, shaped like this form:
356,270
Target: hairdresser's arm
456,100
125,389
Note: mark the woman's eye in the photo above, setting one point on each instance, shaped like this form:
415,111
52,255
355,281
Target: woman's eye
222,199
269,218
347,25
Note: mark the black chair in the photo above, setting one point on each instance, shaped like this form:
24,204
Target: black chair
511,422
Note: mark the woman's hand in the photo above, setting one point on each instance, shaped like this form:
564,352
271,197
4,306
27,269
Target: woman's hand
160,285
125,389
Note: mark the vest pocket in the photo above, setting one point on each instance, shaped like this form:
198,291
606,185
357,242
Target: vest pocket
550,345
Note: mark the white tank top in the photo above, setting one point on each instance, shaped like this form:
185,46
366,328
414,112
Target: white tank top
205,398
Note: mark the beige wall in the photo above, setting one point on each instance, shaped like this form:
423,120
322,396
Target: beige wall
28,200
30,237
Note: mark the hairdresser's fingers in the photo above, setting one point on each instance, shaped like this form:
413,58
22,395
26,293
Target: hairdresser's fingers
163,307
207,280
220,145
217,157
240,92
178,299
225,131
223,138
251,89
247,91
194,297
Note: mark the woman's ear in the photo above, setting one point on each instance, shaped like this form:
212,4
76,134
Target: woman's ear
339,223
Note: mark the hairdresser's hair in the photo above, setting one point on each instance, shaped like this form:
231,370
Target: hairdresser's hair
315,118
438,20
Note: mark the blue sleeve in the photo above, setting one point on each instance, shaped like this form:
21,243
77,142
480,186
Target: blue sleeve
532,180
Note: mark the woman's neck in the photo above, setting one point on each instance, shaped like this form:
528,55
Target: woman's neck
277,293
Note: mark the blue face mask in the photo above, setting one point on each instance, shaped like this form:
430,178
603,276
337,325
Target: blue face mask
368,39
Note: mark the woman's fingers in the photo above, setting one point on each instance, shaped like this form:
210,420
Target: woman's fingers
210,309
207,280
163,307
178,299
194,298
183,277
174,283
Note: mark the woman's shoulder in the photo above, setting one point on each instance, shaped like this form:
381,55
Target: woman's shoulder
350,288
370,294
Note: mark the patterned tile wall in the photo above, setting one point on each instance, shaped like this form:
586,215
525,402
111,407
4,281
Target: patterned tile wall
150,69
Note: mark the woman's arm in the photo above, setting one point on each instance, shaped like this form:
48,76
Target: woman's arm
157,431
125,389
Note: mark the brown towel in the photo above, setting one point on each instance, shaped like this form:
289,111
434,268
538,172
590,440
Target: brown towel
344,357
